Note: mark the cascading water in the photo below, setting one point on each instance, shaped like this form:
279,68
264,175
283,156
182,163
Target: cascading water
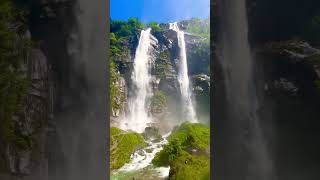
138,118
77,145
183,77
242,101
143,158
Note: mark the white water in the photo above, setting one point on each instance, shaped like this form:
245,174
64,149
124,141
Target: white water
238,67
183,77
141,159
138,118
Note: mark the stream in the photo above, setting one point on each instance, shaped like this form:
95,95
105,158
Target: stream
140,166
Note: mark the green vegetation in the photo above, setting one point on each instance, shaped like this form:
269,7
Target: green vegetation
163,64
191,135
158,102
126,28
13,83
122,145
116,95
122,34
155,27
188,167
199,27
183,163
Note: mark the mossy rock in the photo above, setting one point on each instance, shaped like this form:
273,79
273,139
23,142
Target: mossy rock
151,133
191,135
149,150
122,145
184,137
188,167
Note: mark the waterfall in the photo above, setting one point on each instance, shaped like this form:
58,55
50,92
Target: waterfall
138,118
183,77
78,131
242,101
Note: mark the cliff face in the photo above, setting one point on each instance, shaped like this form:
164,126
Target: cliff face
285,41
290,100
42,66
165,70
286,59
30,122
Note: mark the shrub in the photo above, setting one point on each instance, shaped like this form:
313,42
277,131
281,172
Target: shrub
122,145
185,136
155,27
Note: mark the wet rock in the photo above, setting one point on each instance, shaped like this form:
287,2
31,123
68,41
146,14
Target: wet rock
149,150
286,86
151,133
23,156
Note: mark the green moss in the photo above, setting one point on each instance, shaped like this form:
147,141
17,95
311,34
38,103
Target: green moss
115,131
182,138
169,153
199,27
155,27
163,64
184,165
13,83
158,102
122,145
191,135
188,167
116,95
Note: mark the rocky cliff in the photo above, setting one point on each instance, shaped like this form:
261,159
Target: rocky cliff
25,152
165,66
285,48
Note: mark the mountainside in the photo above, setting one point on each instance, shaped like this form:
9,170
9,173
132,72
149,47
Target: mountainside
46,91
124,40
284,41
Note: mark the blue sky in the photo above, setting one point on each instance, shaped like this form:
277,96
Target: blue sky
159,10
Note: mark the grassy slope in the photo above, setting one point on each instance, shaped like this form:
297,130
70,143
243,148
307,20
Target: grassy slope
122,145
184,163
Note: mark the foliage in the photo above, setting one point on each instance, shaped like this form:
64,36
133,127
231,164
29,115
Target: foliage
122,33
116,95
155,27
186,136
122,145
188,167
199,27
158,102
125,28
13,83
163,64
135,23
169,153
192,135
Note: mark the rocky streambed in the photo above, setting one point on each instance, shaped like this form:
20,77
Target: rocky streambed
140,166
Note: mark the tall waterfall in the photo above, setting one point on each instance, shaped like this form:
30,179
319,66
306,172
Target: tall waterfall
138,117
183,77
242,101
78,128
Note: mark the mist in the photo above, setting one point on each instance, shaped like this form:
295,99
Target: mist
79,151
246,153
